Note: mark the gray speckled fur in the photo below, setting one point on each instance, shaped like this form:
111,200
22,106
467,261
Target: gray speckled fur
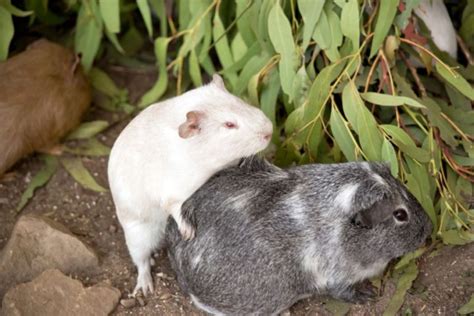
267,237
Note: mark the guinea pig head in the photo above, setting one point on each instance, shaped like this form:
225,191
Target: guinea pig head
223,127
385,221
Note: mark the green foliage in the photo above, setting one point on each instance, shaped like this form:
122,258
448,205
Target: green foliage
335,77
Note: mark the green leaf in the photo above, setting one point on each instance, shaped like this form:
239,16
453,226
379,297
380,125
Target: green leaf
160,9
408,258
310,11
77,170
468,308
14,10
350,23
88,129
222,47
452,237
268,100
110,11
114,40
88,32
89,147
337,308
6,30
322,33
363,122
385,16
456,81
161,46
403,141
279,29
336,36
389,155
255,64
144,9
101,81
403,285
40,179
342,134
390,100
194,69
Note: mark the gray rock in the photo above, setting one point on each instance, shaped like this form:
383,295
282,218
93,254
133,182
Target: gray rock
38,243
53,293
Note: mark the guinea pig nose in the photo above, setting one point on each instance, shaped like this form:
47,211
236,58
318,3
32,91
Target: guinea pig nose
267,137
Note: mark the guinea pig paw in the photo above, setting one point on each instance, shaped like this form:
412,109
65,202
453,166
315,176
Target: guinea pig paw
144,285
364,292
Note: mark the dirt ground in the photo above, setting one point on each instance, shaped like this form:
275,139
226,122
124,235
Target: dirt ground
445,283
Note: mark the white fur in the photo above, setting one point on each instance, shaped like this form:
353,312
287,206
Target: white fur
205,308
345,196
436,17
296,207
152,170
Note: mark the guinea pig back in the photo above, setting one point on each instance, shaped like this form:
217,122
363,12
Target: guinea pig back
43,94
267,237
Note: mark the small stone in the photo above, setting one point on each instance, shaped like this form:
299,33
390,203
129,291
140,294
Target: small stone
112,229
162,275
165,296
285,313
141,301
64,296
38,243
128,302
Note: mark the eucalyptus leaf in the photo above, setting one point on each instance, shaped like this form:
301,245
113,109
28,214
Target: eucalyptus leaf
88,129
390,100
110,11
89,147
159,88
279,29
342,134
385,16
350,22
40,179
310,11
77,170
7,30
88,32
146,15
468,308
456,81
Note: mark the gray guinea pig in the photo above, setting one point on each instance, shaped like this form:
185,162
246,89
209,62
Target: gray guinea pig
268,237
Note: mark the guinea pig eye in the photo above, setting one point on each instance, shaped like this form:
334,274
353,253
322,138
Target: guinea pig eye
400,215
230,125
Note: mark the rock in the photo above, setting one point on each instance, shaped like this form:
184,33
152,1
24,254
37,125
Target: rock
285,313
128,302
112,229
165,296
38,243
141,301
53,293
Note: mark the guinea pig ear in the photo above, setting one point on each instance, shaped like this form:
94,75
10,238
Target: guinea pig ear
372,216
192,125
218,82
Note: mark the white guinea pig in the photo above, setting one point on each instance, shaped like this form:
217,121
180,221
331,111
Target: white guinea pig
167,152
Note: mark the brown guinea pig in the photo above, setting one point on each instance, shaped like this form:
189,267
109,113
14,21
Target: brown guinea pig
43,94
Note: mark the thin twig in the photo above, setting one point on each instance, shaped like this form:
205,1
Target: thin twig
465,49
413,72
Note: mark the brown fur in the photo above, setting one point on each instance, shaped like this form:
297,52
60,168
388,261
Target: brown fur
43,94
